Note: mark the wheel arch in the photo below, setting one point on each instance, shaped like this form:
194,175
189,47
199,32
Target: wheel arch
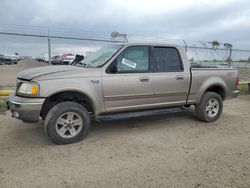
74,95
216,88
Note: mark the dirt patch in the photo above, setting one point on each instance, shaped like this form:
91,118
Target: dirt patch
162,151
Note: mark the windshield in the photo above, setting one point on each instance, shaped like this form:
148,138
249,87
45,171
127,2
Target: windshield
101,56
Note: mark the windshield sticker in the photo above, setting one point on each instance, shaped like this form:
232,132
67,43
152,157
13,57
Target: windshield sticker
128,63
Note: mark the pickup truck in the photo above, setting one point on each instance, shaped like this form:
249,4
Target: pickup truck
119,81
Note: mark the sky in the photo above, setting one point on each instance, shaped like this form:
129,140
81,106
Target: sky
196,20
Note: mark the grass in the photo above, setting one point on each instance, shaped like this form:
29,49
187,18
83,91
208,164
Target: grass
244,69
3,105
244,74
244,88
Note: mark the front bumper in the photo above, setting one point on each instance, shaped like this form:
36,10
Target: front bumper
26,109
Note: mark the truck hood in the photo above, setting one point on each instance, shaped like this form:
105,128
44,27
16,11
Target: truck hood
52,72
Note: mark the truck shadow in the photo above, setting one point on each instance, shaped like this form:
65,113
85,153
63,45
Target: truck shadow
33,135
154,122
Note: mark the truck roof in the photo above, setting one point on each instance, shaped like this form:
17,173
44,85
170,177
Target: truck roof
149,44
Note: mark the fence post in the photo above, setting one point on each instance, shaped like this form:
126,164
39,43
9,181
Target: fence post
230,56
185,45
49,47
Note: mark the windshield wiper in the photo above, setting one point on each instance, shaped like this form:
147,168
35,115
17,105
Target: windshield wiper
84,64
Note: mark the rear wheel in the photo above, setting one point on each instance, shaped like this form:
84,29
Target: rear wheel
210,107
67,122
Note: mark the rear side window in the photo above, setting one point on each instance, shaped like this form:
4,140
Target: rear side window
167,59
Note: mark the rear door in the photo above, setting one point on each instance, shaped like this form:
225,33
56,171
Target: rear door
130,85
171,81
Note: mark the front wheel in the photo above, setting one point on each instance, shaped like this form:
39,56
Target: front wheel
67,122
210,107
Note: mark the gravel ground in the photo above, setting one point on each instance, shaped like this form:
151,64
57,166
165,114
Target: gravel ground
167,151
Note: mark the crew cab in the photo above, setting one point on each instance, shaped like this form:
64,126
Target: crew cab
119,81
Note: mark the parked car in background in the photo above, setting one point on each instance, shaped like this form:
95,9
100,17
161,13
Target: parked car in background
1,59
67,60
8,59
56,60
40,59
223,65
14,59
62,59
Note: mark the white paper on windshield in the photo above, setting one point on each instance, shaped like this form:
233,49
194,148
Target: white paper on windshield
128,63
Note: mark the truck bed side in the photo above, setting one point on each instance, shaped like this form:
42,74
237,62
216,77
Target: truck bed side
222,80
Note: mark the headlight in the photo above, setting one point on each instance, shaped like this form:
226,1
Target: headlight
28,88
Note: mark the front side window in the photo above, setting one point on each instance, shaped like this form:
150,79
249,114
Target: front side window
167,59
133,59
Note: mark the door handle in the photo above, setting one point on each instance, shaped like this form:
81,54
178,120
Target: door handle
179,77
144,79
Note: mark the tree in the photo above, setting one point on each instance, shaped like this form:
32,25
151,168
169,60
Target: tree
215,44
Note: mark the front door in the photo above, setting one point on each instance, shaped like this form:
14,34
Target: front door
128,81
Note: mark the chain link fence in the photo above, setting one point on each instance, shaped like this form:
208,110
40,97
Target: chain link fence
43,45
47,46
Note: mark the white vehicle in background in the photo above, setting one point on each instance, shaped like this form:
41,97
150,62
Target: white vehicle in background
42,58
63,59
9,59
67,60
223,65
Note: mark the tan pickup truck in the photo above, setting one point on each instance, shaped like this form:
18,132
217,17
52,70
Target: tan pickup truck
119,81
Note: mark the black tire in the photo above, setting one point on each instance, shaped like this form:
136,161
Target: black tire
203,111
50,123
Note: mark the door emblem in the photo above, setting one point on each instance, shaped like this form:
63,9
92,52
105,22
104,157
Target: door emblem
95,81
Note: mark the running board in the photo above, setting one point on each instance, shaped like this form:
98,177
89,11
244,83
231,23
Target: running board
134,114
